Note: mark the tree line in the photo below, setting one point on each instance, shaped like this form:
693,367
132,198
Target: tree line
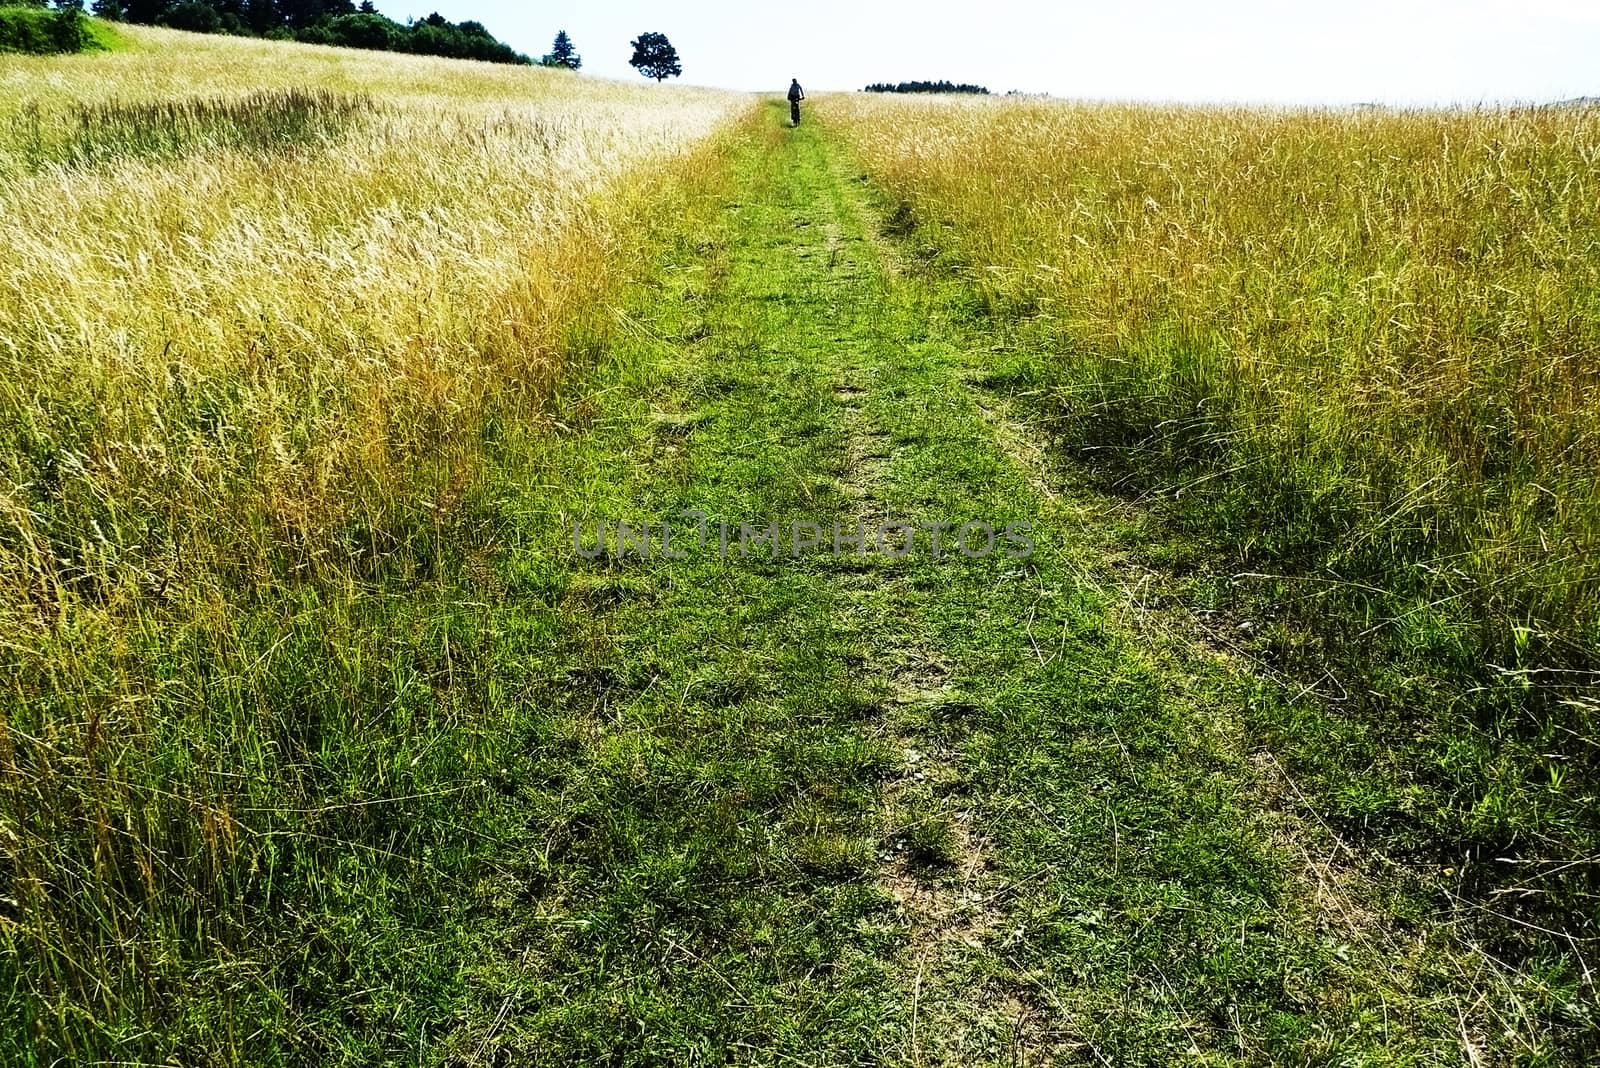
925,87
325,22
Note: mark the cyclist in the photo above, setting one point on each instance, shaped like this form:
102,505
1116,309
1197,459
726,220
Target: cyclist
796,94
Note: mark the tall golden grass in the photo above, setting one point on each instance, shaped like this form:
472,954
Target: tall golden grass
269,315
1353,357
241,331
1368,340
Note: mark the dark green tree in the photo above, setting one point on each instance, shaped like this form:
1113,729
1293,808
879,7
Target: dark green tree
325,22
192,15
262,15
562,53
654,57
300,14
144,11
69,30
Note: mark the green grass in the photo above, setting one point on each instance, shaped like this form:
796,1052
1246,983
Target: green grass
103,37
905,812
1326,362
518,806
263,825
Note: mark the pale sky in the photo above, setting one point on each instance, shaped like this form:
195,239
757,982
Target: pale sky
1328,52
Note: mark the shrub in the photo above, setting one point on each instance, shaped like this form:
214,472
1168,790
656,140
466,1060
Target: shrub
363,31
37,31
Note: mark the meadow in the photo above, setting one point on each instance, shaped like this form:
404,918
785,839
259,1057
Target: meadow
1347,360
265,312
319,744
273,320
1378,326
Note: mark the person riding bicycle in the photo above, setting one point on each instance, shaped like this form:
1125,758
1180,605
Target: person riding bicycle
796,94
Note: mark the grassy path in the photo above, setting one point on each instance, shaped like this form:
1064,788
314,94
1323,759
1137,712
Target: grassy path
863,810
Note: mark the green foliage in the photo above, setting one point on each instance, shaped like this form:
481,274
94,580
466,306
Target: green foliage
358,31
654,57
926,87
324,22
194,16
34,30
436,36
562,53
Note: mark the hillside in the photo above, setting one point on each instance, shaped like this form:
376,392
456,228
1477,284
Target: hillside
504,567
269,313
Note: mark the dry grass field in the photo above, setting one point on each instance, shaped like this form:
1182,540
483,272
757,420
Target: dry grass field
321,744
1352,356
259,301
1384,322
265,310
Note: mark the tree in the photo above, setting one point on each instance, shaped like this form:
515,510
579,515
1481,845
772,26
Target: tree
302,14
364,31
263,15
562,54
144,11
925,87
193,16
69,30
654,57
325,22
438,36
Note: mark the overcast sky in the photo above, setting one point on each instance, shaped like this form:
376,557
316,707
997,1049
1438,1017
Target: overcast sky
1331,51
